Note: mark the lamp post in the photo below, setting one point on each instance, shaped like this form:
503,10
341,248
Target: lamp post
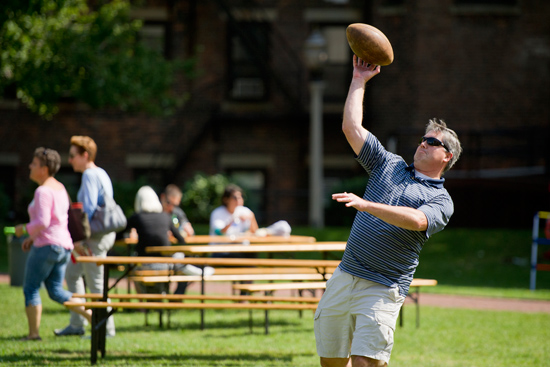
316,56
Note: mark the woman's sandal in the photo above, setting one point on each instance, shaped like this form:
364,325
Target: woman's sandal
28,338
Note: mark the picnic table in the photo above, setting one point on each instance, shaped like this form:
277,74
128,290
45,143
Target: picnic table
253,248
205,239
100,313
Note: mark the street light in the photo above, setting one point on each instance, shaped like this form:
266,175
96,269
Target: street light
316,56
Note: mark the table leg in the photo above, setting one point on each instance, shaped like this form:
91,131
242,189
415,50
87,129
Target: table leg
103,313
266,322
417,307
202,301
95,334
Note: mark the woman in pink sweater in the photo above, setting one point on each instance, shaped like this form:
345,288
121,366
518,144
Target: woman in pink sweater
48,241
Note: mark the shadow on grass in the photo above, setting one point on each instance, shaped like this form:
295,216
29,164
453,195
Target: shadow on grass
211,321
34,358
131,358
175,325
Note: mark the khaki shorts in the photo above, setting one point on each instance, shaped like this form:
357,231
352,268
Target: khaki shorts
356,317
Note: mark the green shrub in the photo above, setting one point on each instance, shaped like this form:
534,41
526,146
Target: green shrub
125,194
201,195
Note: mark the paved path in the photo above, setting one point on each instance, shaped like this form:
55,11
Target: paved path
437,300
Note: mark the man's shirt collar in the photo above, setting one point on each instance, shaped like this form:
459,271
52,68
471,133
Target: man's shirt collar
437,183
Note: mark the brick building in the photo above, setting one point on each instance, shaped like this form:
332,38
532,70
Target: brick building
483,66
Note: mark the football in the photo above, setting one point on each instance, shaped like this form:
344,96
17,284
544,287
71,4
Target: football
369,44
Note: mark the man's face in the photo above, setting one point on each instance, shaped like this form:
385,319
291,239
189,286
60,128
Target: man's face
78,161
431,157
170,202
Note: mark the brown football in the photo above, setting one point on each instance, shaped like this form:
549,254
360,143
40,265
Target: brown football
369,44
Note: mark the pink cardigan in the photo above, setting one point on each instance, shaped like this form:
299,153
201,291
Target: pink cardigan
49,219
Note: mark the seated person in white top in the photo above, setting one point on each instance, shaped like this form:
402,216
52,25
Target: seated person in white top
232,218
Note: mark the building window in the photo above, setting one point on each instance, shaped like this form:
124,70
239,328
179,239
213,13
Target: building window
392,8
487,2
248,48
155,33
337,69
390,3
154,37
253,183
485,7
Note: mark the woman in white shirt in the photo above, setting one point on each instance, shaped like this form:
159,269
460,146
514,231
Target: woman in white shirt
232,217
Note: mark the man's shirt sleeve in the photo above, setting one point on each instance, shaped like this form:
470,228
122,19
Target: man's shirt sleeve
438,211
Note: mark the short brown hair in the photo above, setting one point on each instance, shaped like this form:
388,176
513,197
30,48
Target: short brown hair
85,144
172,190
450,139
48,158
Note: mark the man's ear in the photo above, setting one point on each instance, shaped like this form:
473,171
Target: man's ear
448,156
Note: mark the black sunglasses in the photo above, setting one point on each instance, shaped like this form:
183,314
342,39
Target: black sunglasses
434,142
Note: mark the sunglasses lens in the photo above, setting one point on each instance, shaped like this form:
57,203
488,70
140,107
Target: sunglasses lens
434,142
431,141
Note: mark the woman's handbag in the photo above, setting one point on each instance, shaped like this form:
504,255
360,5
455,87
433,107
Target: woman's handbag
79,226
108,218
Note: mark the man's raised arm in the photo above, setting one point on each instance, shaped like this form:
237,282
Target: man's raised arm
352,124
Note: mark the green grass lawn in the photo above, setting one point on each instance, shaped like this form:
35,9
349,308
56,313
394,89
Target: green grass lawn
474,262
446,338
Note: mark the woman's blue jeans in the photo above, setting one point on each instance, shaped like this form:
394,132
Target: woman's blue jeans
46,264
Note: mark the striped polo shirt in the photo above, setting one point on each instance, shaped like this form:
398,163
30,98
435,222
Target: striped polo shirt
381,252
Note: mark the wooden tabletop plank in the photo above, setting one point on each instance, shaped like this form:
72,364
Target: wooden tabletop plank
182,297
250,238
212,249
279,286
205,239
314,285
122,260
227,278
237,270
177,305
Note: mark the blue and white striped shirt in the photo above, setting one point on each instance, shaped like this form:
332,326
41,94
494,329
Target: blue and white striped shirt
381,252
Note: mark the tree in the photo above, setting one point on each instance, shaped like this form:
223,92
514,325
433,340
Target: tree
52,49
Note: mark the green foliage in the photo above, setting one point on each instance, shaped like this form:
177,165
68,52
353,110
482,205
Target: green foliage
54,49
125,194
496,258
201,195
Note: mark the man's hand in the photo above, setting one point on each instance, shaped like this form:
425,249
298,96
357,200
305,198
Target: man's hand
400,216
27,244
352,124
363,70
20,230
351,200
81,249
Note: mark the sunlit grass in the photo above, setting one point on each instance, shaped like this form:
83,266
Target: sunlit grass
446,338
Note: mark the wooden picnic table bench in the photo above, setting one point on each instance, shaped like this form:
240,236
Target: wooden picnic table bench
322,247
271,287
252,239
184,297
237,270
99,308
